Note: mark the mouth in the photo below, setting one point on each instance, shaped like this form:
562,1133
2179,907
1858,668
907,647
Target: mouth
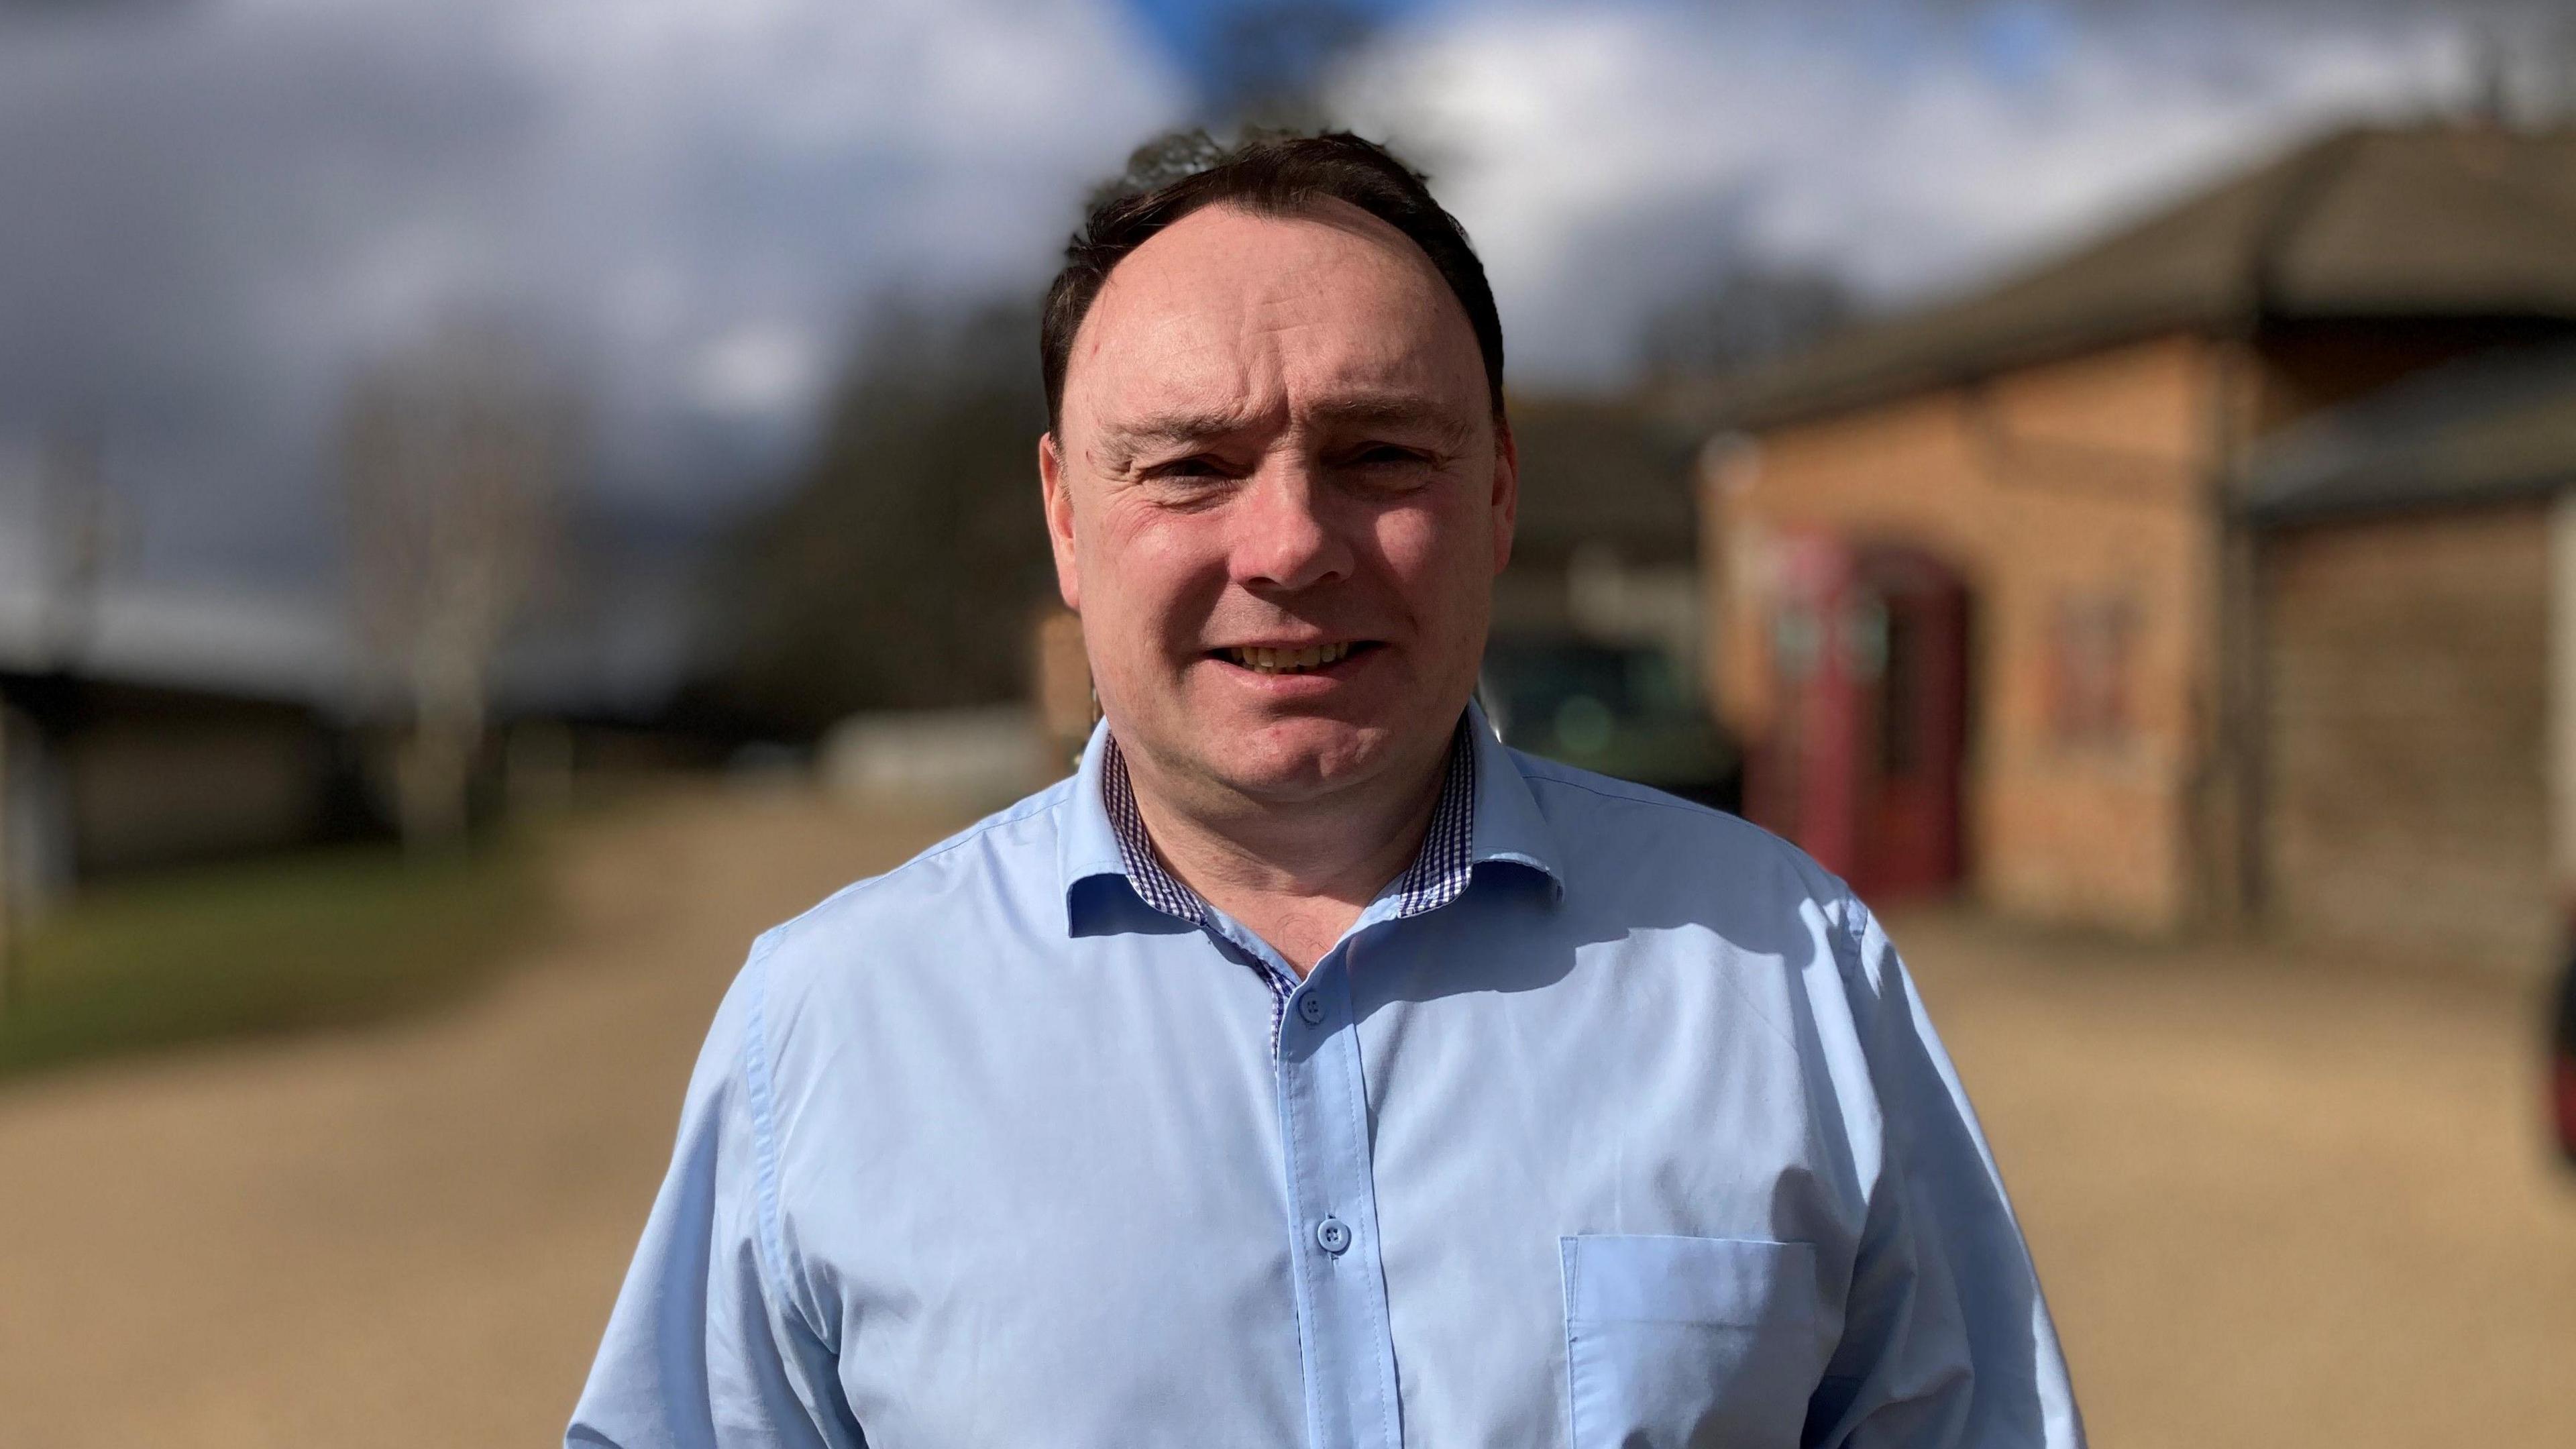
1310,660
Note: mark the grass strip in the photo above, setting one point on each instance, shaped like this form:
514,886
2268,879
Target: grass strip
319,939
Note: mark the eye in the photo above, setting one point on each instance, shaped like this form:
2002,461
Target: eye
1197,465
1388,467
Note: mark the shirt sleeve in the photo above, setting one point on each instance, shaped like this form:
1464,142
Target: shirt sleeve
1947,1340
705,1349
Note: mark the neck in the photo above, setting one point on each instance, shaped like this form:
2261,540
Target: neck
1296,874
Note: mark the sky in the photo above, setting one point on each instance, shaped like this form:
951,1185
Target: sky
214,214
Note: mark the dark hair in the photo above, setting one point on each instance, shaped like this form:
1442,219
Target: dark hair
1269,174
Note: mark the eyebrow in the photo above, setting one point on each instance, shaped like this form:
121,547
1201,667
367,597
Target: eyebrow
1395,412
1182,426
1359,412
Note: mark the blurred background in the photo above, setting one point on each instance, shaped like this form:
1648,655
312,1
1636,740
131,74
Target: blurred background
500,502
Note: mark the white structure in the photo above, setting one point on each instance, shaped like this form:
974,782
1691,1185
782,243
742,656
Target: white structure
974,758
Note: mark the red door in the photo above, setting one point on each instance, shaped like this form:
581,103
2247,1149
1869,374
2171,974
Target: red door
1862,767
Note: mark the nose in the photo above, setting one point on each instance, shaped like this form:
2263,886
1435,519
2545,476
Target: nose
1285,540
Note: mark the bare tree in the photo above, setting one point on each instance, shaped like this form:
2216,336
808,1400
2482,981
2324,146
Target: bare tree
900,570
1742,316
73,534
453,456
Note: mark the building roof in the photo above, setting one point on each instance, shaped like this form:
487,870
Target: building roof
252,646
2447,220
2489,427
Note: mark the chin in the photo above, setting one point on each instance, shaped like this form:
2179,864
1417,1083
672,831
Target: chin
1301,755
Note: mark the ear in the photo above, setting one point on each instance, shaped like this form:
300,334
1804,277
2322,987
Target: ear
1058,499
1507,491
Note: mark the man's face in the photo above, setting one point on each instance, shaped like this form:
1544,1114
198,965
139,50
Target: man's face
1278,498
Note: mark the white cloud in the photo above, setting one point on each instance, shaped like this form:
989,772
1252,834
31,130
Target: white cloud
216,210
219,209
1607,159
760,370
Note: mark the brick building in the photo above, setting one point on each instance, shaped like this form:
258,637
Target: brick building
2213,572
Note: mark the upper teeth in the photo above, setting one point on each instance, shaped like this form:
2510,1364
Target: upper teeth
1276,661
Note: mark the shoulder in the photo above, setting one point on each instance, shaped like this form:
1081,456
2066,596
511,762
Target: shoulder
1637,849
973,881
1604,818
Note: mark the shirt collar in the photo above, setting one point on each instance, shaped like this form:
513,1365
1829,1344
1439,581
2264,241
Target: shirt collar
1509,828
1485,813
1137,859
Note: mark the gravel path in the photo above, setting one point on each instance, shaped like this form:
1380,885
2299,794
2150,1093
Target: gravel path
2275,1203
405,1237
2275,1200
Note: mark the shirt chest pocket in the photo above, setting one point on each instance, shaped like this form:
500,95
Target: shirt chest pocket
1673,1342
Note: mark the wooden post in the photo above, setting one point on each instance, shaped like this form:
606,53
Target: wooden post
1066,706
2560,749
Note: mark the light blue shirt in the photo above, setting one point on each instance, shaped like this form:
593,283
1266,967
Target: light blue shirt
1639,1137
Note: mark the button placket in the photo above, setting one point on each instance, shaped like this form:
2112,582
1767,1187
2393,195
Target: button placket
1341,1284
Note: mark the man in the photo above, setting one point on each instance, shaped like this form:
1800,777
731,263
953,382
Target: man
1310,1069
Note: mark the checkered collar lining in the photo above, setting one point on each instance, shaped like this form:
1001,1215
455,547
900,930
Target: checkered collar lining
1439,872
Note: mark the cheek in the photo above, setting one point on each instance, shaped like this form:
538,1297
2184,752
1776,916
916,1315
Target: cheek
1155,573
1435,551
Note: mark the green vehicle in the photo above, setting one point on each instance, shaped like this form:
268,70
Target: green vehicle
1623,710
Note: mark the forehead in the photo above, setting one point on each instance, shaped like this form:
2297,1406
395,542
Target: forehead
1262,312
